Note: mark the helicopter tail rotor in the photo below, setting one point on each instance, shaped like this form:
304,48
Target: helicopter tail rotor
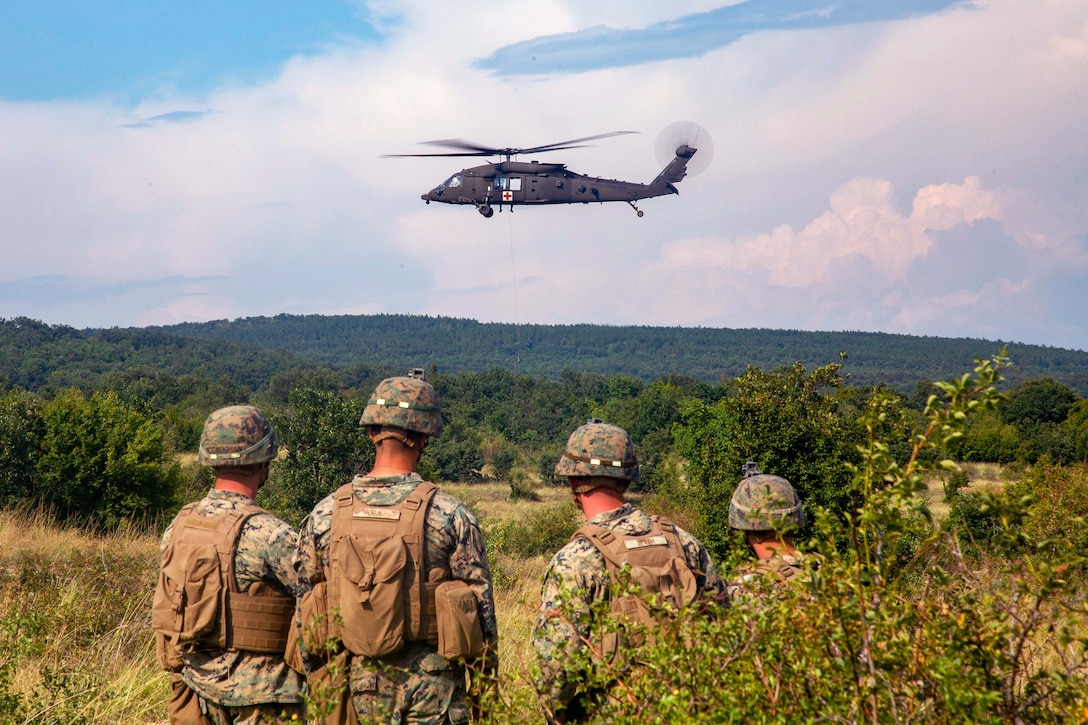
684,138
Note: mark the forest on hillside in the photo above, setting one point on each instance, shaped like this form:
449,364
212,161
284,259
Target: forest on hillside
361,349
710,354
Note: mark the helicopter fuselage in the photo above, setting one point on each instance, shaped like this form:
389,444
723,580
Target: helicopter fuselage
512,183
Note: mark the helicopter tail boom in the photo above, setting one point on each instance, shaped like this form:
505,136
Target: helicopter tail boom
676,169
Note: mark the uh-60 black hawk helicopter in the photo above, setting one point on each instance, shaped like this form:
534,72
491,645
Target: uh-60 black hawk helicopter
515,183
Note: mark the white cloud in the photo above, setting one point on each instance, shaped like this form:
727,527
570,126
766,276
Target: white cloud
847,159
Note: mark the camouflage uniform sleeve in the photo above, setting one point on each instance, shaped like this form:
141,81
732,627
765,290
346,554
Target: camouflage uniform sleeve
468,563
573,581
311,558
266,551
706,573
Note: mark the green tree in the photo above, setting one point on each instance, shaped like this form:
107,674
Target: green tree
988,438
324,445
1035,402
102,462
788,423
21,431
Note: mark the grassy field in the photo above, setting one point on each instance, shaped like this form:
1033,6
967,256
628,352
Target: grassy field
980,477
75,640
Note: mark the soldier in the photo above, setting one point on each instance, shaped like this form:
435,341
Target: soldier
225,601
767,510
599,464
399,603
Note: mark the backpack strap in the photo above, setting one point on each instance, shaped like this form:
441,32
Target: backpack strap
343,504
411,529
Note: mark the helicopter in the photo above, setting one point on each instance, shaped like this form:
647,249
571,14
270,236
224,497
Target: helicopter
511,183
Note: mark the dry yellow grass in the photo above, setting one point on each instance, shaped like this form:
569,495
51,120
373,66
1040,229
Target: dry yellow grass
48,569
980,476
74,629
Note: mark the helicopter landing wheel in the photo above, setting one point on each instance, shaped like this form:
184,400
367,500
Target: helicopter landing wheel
485,210
637,210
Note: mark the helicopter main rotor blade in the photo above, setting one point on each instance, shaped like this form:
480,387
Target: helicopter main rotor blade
469,148
407,156
559,145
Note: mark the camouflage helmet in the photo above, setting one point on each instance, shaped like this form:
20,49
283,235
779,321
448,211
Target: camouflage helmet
600,450
239,435
406,402
763,502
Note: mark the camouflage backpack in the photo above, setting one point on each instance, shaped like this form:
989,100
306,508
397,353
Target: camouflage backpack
658,569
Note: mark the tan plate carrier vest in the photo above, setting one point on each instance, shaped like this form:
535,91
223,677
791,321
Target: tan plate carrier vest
377,571
198,604
658,566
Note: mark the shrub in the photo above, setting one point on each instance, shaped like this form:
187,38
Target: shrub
955,481
103,463
543,532
859,641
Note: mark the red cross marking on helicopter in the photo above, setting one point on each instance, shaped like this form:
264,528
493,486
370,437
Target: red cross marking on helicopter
508,196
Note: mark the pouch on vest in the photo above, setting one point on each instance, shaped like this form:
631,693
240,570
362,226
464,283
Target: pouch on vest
657,566
459,632
376,557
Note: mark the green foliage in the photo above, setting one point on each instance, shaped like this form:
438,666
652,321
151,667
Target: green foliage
1040,400
521,489
987,438
868,636
786,422
956,480
103,463
1058,509
545,531
1075,427
325,448
21,430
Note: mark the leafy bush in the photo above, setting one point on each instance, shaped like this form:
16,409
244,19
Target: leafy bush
21,430
325,448
544,531
861,640
789,425
103,463
955,481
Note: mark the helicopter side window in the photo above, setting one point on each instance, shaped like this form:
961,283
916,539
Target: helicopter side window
506,183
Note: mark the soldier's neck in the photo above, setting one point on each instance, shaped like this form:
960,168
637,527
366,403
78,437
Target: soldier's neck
767,549
245,485
598,501
392,458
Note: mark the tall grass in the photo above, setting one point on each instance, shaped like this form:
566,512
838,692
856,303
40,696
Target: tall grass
75,642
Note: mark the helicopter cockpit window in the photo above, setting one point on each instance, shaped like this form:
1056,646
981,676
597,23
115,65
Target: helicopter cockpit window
504,183
453,182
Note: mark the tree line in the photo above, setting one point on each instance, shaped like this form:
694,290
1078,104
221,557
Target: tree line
36,356
121,447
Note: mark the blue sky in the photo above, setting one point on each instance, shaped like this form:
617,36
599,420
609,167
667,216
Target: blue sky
77,49
915,167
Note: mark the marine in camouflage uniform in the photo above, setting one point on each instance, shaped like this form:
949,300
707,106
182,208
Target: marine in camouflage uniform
414,684
600,463
767,509
234,686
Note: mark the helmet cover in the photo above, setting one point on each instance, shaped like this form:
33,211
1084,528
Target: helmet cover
239,435
405,402
763,502
601,450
